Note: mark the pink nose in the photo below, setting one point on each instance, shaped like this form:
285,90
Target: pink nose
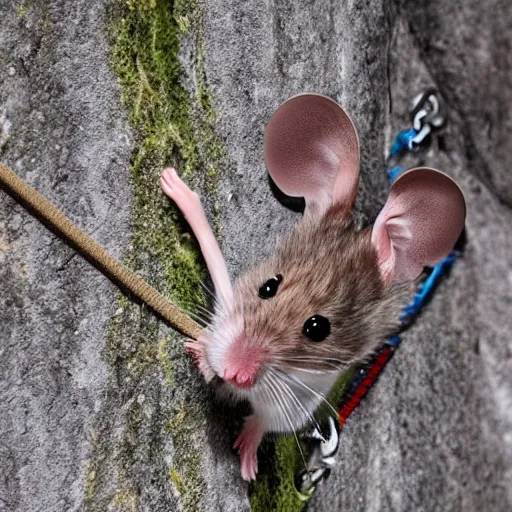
242,364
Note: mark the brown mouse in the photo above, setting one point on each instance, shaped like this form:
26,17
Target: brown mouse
330,295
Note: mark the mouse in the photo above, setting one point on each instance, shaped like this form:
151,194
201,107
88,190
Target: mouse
281,335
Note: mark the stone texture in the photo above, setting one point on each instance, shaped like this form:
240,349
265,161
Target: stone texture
436,431
69,139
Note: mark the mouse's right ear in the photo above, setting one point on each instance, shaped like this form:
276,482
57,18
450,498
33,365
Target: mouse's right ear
312,151
419,224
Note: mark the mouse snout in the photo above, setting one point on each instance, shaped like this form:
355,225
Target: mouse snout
242,364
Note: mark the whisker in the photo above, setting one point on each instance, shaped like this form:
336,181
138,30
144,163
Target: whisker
207,290
196,316
287,389
330,366
199,305
204,322
284,409
317,359
318,355
296,368
286,362
292,378
201,309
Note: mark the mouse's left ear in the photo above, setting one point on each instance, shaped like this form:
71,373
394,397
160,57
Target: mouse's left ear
312,151
419,224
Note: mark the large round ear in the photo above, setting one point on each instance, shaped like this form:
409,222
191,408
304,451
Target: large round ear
419,224
312,151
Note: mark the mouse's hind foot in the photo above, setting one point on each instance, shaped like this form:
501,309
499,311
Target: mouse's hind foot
247,443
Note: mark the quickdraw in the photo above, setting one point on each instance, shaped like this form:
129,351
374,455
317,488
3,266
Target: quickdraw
426,117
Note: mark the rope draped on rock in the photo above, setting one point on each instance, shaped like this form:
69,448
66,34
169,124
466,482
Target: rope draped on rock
95,253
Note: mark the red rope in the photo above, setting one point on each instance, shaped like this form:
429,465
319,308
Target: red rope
364,386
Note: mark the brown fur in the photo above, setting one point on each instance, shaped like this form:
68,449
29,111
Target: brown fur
328,269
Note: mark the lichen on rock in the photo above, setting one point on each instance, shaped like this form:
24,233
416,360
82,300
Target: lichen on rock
153,385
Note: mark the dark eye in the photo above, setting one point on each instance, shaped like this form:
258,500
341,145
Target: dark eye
269,288
317,328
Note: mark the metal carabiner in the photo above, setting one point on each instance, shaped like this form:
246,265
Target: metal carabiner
322,456
427,115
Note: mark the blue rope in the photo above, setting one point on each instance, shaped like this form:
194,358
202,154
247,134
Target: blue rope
427,287
403,142
394,173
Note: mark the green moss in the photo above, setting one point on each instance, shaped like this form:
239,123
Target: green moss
169,129
171,126
188,480
337,391
165,361
144,357
145,58
123,301
90,480
276,490
126,500
176,480
134,417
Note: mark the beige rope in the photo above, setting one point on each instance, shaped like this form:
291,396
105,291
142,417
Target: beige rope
97,254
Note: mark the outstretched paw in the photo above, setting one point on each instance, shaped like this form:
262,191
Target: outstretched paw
247,443
196,348
190,205
174,187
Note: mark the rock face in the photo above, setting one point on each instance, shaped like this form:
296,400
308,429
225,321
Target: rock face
99,407
69,139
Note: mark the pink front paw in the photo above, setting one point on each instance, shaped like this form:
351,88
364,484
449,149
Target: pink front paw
197,349
247,443
175,188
